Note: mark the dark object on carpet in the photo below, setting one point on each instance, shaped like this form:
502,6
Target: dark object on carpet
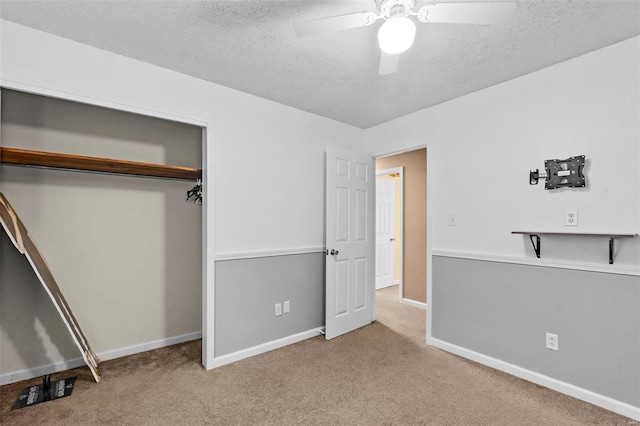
47,391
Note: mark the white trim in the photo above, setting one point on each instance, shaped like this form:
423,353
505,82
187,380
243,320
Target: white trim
266,347
396,282
580,266
208,230
149,346
390,171
56,367
268,253
431,190
402,151
420,305
208,248
30,373
591,397
400,171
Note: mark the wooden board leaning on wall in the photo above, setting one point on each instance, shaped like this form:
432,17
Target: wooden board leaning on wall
23,242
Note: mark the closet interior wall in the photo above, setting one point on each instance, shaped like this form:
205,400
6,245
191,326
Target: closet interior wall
126,251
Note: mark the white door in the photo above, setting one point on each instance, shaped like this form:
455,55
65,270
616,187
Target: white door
385,232
350,241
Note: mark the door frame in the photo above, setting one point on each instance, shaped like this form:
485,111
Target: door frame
431,153
400,171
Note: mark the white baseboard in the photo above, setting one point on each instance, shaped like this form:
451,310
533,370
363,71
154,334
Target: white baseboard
594,398
413,303
30,373
144,347
56,367
266,347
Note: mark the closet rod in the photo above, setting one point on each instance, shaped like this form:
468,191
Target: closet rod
25,157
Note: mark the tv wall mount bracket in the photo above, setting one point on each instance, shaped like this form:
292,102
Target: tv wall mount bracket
561,173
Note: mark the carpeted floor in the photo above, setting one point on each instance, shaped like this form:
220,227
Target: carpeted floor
382,374
405,320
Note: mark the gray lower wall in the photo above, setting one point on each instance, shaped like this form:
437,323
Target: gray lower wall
248,289
504,310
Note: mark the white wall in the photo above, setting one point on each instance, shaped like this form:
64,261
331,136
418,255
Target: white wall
268,167
482,147
268,158
260,147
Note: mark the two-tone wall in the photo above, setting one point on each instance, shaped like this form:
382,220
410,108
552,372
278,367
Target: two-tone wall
267,171
492,300
504,310
247,290
265,199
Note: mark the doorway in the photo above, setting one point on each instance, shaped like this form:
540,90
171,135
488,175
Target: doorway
389,214
409,169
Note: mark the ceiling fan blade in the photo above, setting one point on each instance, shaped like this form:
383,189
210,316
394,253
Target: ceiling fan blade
334,23
388,63
467,13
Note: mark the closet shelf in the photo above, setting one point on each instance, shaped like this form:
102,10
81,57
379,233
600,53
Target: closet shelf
536,234
23,157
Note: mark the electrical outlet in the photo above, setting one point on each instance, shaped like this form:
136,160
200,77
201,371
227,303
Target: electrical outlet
452,219
571,218
285,307
278,309
552,341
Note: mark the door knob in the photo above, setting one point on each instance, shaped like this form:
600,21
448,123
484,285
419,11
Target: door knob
334,252
392,239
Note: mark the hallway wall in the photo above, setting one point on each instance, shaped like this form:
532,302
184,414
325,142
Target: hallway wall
415,222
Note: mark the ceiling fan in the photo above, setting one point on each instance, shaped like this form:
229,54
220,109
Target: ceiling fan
397,33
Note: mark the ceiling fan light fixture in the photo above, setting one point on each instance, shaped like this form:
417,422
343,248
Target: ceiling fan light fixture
396,35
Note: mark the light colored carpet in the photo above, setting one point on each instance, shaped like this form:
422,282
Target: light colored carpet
381,374
405,320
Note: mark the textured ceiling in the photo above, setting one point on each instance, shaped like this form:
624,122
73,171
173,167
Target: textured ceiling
250,46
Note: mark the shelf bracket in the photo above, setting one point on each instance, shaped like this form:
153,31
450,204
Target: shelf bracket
611,236
610,250
536,245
